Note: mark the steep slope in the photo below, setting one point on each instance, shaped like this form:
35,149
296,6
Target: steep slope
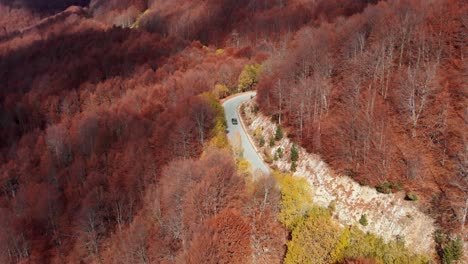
388,215
89,117
373,98
109,113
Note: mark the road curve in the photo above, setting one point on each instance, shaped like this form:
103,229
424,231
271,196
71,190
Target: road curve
231,107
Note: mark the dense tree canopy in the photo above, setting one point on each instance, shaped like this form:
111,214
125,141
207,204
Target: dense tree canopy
380,96
112,138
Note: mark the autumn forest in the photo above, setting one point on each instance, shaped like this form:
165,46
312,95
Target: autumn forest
113,145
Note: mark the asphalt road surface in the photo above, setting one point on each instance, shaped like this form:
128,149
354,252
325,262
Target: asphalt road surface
231,110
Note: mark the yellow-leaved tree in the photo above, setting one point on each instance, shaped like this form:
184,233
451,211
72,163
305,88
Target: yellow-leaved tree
221,90
249,77
313,239
296,199
317,238
219,138
244,166
338,253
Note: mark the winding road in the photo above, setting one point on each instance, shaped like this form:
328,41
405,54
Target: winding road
231,107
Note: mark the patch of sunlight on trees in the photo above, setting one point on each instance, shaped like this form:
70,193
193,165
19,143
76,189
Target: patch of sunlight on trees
313,238
338,252
219,138
249,77
373,246
219,51
296,199
221,91
317,238
136,24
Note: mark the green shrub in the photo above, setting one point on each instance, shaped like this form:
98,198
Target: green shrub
262,142
411,197
293,166
452,250
279,151
440,237
294,153
272,142
383,188
278,133
388,187
363,220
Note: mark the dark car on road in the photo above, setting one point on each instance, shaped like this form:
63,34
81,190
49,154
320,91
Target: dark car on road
234,121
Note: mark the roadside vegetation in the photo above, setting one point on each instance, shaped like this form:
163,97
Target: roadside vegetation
317,238
377,96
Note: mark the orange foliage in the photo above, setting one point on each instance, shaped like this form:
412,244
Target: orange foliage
224,239
381,101
87,133
101,125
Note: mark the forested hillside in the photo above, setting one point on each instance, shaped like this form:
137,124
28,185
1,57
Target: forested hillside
112,137
381,96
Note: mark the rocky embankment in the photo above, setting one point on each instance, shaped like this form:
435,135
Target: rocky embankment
388,215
